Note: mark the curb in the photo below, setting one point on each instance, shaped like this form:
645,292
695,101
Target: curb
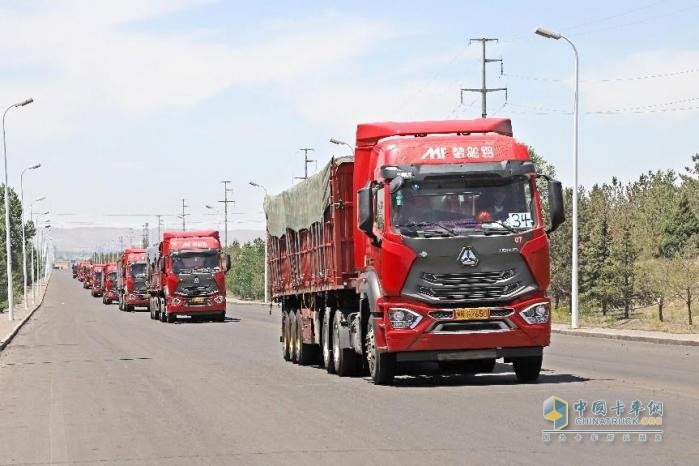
645,339
14,332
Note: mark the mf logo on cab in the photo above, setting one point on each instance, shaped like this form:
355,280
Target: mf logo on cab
468,256
556,410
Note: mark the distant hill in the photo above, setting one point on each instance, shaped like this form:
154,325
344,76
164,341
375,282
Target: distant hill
73,242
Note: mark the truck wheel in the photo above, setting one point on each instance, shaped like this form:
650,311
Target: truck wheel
221,317
170,318
382,366
346,361
293,337
121,302
286,346
326,345
162,315
305,351
129,308
527,369
484,366
104,300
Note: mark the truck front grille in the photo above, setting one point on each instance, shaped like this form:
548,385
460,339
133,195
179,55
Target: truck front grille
469,285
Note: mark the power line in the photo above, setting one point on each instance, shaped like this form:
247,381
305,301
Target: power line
225,202
670,74
484,89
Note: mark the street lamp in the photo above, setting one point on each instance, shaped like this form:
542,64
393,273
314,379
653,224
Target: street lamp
24,247
338,142
574,276
35,245
8,246
257,185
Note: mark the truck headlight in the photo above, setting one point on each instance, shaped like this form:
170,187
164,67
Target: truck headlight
403,318
219,299
176,301
536,314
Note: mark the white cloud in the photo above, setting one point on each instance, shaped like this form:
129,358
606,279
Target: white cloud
78,58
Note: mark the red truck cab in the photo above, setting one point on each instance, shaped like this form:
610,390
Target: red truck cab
186,276
87,276
96,280
131,279
110,291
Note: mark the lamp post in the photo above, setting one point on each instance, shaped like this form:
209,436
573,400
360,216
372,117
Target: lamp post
257,185
35,246
8,246
31,217
574,263
338,142
24,246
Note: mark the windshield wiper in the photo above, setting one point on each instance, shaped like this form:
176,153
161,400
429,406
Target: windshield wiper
498,222
428,224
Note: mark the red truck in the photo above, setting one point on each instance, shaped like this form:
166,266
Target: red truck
109,283
131,279
87,276
96,280
427,246
186,276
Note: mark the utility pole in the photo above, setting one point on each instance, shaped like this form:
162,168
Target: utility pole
160,222
306,161
225,201
184,215
484,89
146,240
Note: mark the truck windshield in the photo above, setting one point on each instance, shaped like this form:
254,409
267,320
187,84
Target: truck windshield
113,276
195,261
138,269
452,206
98,277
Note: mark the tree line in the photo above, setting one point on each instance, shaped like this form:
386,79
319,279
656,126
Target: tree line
15,245
638,243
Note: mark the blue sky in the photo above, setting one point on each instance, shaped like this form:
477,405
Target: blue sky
139,104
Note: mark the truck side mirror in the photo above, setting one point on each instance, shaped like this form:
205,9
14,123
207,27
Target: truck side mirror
556,208
365,210
228,262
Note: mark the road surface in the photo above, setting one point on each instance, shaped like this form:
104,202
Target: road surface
84,383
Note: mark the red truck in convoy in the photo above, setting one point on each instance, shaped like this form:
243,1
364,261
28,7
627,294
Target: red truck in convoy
110,291
131,279
427,246
186,276
87,276
96,280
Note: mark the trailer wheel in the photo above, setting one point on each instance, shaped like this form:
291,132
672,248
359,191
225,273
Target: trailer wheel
346,361
382,366
286,348
326,345
293,337
484,366
527,369
305,351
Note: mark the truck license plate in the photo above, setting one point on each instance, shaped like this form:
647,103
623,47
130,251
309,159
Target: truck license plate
472,313
197,300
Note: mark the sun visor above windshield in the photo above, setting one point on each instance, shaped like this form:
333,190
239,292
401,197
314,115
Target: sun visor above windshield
191,244
502,169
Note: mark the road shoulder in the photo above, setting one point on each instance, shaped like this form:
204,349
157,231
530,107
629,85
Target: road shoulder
10,328
686,339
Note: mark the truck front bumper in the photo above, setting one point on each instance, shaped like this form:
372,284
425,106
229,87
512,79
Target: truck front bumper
136,299
196,307
503,334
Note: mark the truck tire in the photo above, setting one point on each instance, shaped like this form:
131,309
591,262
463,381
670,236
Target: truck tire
305,351
326,345
129,308
346,361
527,369
221,317
382,366
163,314
121,301
286,344
104,301
293,337
171,318
484,366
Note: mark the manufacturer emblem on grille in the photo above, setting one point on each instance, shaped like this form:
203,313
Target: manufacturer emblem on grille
468,256
196,279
